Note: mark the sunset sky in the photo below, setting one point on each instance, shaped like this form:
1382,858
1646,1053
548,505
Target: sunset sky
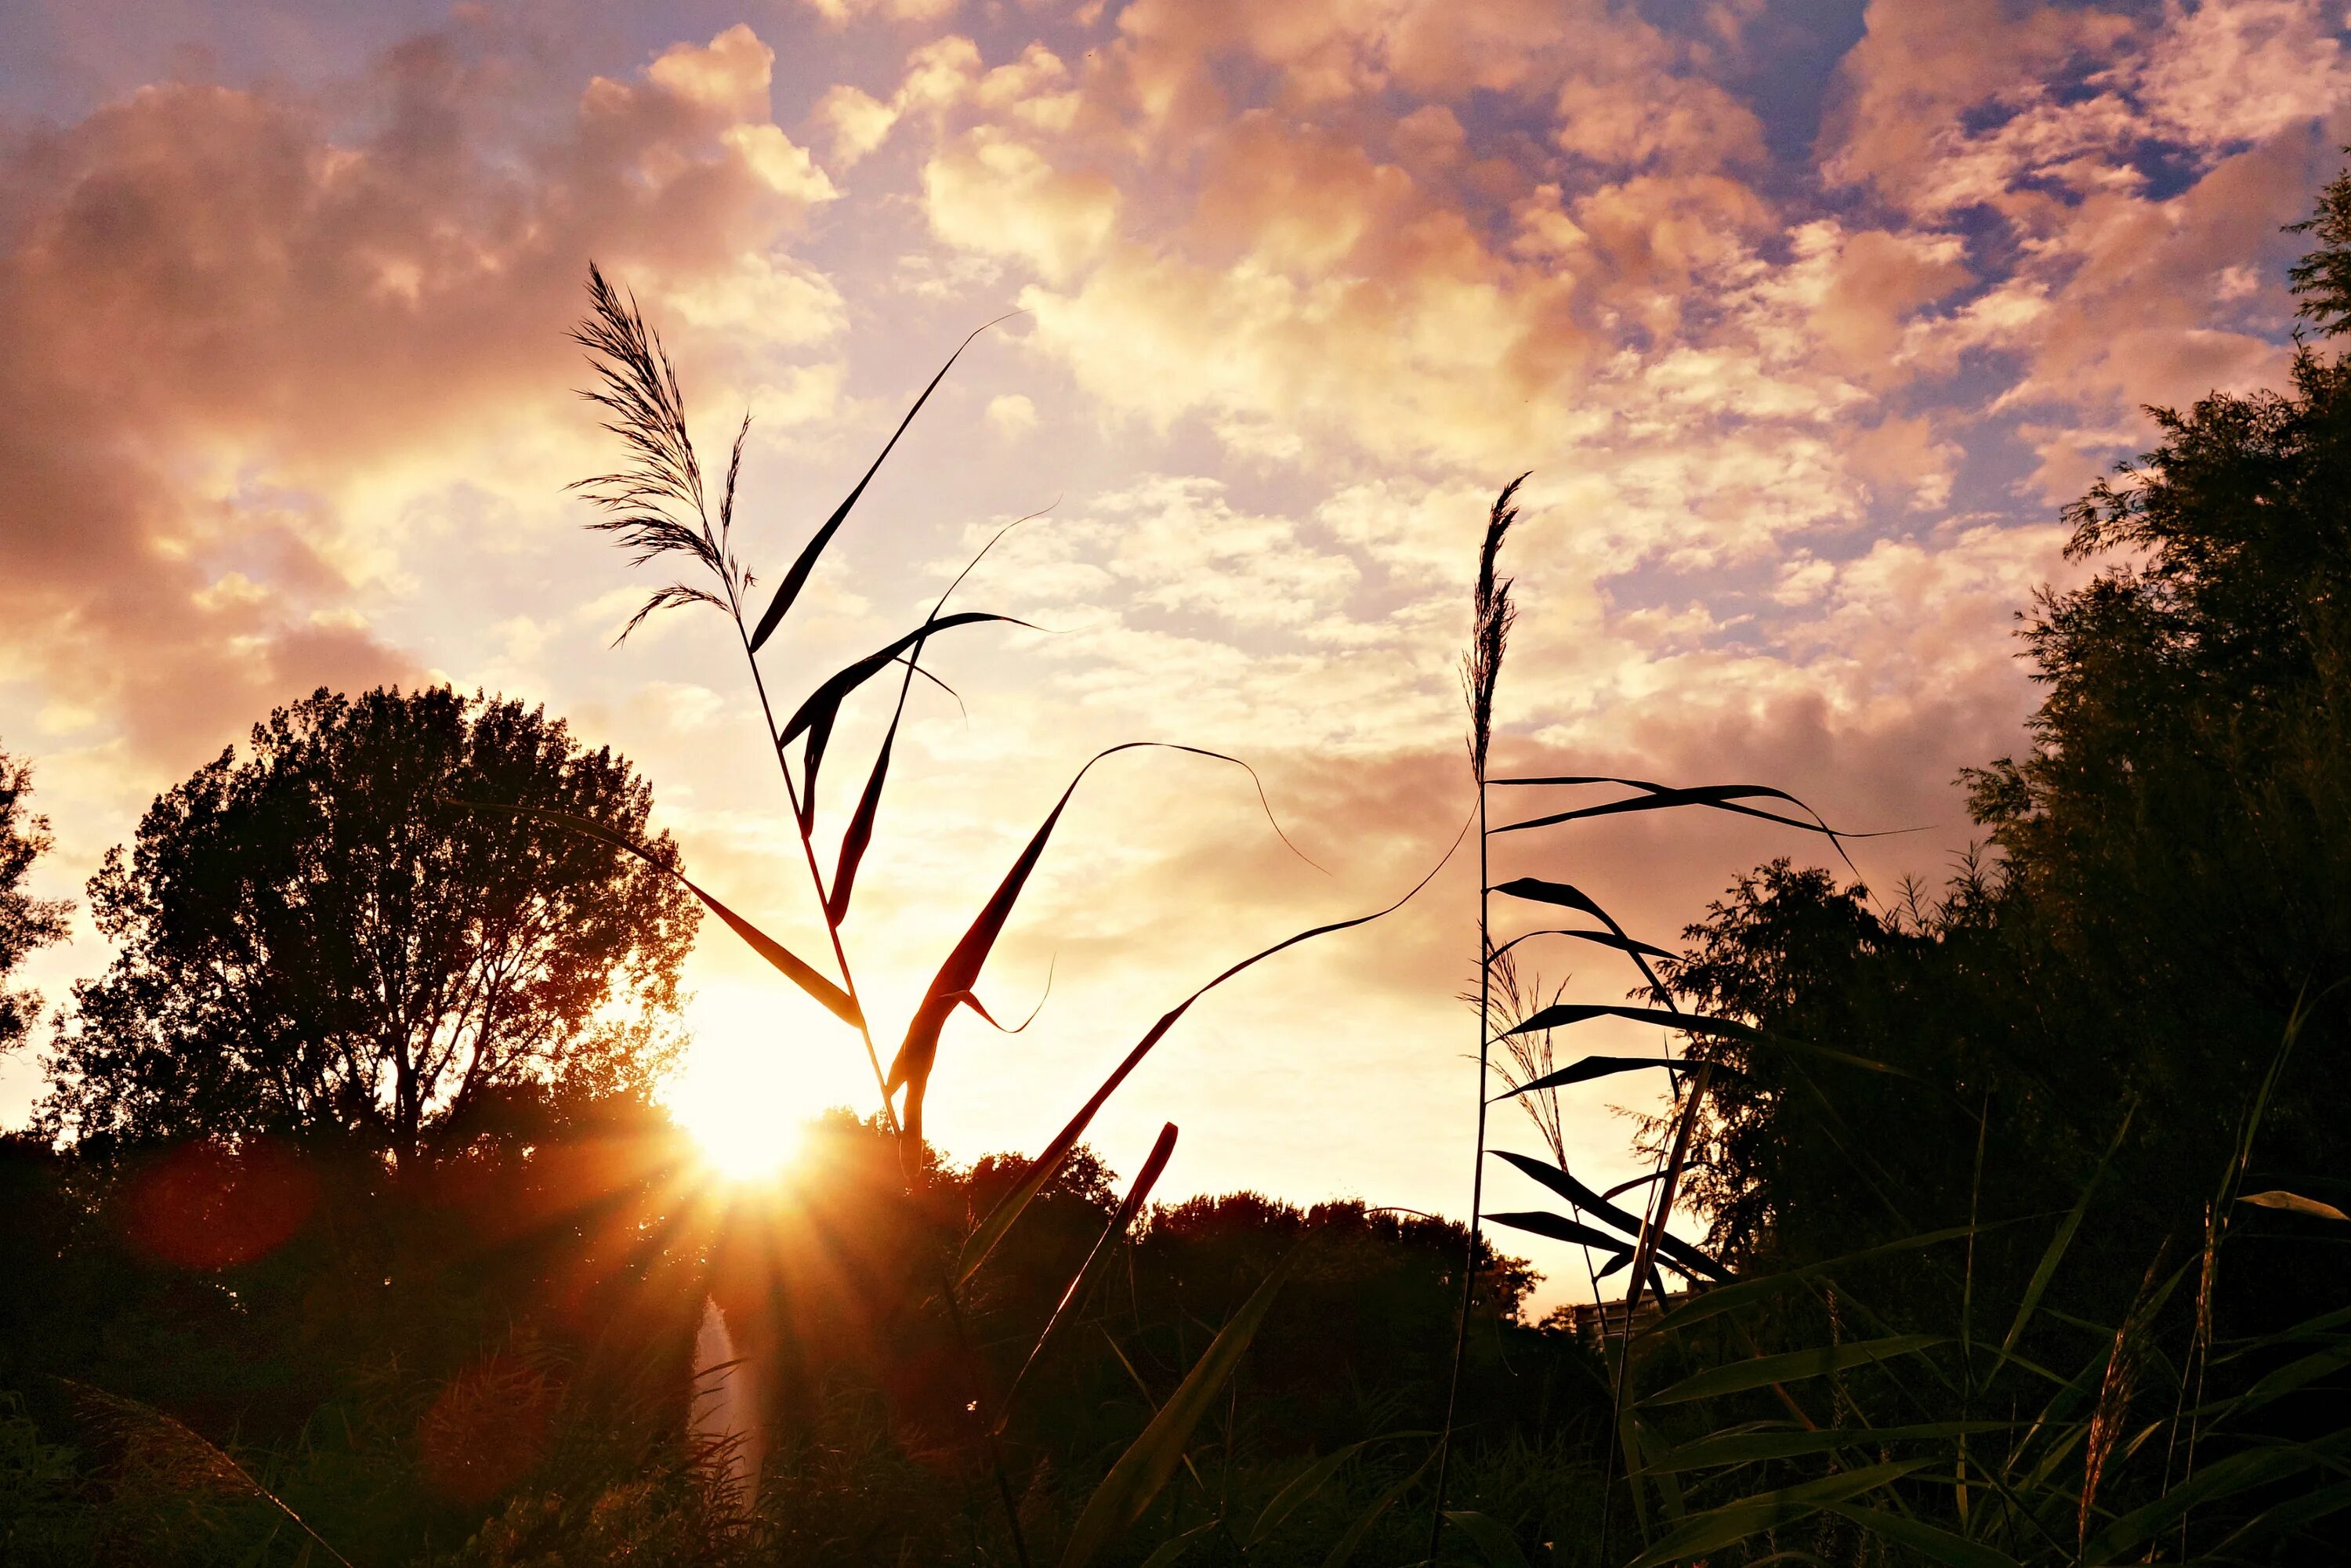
1808,319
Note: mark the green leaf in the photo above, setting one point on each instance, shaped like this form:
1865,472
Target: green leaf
1710,1532
834,999
1763,1371
2295,1203
1742,1292
1496,1544
1304,1485
2059,1243
1146,1466
797,578
2238,1472
1930,1541
1073,1298
1753,1448
1168,1551
1343,1549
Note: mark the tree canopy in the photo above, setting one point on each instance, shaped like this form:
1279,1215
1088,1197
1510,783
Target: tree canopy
2161,905
25,922
316,938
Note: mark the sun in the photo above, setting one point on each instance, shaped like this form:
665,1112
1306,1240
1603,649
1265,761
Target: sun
737,1102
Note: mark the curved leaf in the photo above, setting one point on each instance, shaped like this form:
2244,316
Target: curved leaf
1662,797
2295,1203
1931,1541
833,999
1763,1371
1703,1533
1585,1069
1566,895
1074,1297
1754,1448
1559,1227
1583,1197
952,986
1563,1014
1343,1549
990,1230
1495,1543
859,835
1147,1463
797,578
820,710
1617,939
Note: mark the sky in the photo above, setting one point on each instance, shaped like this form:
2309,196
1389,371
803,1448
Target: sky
1807,321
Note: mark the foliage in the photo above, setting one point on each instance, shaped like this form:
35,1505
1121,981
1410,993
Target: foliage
310,939
25,922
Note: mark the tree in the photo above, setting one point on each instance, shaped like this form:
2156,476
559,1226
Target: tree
2174,842
317,939
25,922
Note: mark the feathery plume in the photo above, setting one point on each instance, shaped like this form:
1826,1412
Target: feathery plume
1481,667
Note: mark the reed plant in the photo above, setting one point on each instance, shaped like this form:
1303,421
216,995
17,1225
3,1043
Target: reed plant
660,507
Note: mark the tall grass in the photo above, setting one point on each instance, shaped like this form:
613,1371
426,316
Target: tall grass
658,508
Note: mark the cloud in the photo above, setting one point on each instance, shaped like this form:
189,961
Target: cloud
229,313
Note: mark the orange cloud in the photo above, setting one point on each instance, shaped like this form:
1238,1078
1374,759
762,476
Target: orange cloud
226,312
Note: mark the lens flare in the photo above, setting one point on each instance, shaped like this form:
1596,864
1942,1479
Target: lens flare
739,1104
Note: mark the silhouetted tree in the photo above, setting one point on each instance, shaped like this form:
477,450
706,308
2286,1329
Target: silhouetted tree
315,939
2175,843
25,922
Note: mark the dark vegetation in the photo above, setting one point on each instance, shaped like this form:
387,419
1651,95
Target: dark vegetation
349,1231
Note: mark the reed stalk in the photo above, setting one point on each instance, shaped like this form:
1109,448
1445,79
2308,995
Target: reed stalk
1481,670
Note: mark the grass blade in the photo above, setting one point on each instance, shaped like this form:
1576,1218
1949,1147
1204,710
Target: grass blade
952,986
1930,1541
1147,1463
1789,1366
1703,1533
1729,1448
1616,939
1343,1549
1562,1014
1081,1283
1496,1544
2295,1203
815,717
790,964
2058,1244
1662,797
991,1229
1591,1067
859,836
1307,1484
1742,1292
1559,1227
797,578
1583,1197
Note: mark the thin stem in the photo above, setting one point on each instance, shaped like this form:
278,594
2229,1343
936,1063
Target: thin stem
804,825
1477,1183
